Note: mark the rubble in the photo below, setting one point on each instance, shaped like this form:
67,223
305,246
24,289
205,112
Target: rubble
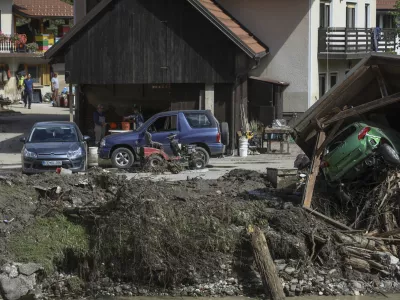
187,238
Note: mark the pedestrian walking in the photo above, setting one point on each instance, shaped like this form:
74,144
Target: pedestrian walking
54,88
28,91
99,124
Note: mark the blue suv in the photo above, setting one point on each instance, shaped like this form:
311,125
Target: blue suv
192,127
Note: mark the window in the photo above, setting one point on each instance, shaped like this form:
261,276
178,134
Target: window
350,15
0,21
324,14
53,134
367,14
389,21
322,84
163,124
333,79
198,120
340,138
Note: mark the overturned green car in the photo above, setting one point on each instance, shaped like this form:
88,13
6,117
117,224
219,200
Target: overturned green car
359,150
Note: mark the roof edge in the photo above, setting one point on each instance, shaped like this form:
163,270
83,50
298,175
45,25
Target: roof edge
77,28
226,31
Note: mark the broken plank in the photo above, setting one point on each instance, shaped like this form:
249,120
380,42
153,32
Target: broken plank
330,137
327,219
387,234
381,81
312,177
363,108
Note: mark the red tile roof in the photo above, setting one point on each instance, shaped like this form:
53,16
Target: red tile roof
44,8
232,26
385,4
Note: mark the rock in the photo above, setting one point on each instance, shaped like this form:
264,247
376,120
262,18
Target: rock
357,285
118,290
293,288
290,270
394,260
279,261
231,280
333,271
16,288
29,268
281,267
13,271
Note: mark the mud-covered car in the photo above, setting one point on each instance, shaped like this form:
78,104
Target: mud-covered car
359,150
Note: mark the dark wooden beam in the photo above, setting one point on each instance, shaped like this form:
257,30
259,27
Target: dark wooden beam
312,177
381,81
330,137
363,108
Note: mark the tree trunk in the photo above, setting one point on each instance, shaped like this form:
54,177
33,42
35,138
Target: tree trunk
265,264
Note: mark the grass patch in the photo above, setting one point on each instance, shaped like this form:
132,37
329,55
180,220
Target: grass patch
47,240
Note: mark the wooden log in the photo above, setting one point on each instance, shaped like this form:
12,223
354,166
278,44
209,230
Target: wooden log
359,241
358,264
266,266
358,253
387,234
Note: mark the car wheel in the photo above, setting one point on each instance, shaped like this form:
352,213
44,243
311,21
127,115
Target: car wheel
155,161
389,154
225,133
204,155
122,158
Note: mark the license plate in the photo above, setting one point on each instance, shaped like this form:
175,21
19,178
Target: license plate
53,163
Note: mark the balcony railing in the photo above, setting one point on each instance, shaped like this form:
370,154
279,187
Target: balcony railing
7,46
354,40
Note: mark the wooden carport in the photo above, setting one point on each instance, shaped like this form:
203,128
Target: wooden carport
371,88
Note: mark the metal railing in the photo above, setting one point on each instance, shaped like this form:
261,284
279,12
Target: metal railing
354,40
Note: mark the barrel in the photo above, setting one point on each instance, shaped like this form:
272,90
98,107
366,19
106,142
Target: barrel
93,157
243,146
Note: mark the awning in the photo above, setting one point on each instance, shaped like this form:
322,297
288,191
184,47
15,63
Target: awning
373,85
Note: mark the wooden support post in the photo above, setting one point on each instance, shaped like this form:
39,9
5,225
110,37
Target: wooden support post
71,105
312,177
266,266
381,81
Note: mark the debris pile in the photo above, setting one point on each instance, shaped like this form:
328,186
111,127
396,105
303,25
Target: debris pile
185,238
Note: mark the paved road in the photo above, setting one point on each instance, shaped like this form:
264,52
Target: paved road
15,126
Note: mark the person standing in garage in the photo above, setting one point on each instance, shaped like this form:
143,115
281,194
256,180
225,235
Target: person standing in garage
136,117
99,124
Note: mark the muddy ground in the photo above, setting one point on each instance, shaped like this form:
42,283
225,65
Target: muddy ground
100,234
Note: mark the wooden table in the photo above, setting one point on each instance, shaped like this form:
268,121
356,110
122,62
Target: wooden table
285,132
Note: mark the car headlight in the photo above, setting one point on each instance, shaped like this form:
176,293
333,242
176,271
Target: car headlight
74,154
102,143
29,154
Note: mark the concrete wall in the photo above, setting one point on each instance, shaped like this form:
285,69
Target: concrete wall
6,16
338,13
283,26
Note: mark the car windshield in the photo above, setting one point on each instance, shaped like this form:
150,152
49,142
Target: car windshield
51,134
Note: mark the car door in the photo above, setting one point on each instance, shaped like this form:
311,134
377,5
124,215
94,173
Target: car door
161,128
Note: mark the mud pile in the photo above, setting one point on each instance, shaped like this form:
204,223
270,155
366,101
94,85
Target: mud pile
100,234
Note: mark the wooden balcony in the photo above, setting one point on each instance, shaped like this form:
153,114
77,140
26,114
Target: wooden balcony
352,43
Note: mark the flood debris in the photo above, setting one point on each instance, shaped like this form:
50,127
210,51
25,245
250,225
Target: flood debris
112,236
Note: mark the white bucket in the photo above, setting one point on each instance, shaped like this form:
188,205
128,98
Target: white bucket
93,157
243,146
